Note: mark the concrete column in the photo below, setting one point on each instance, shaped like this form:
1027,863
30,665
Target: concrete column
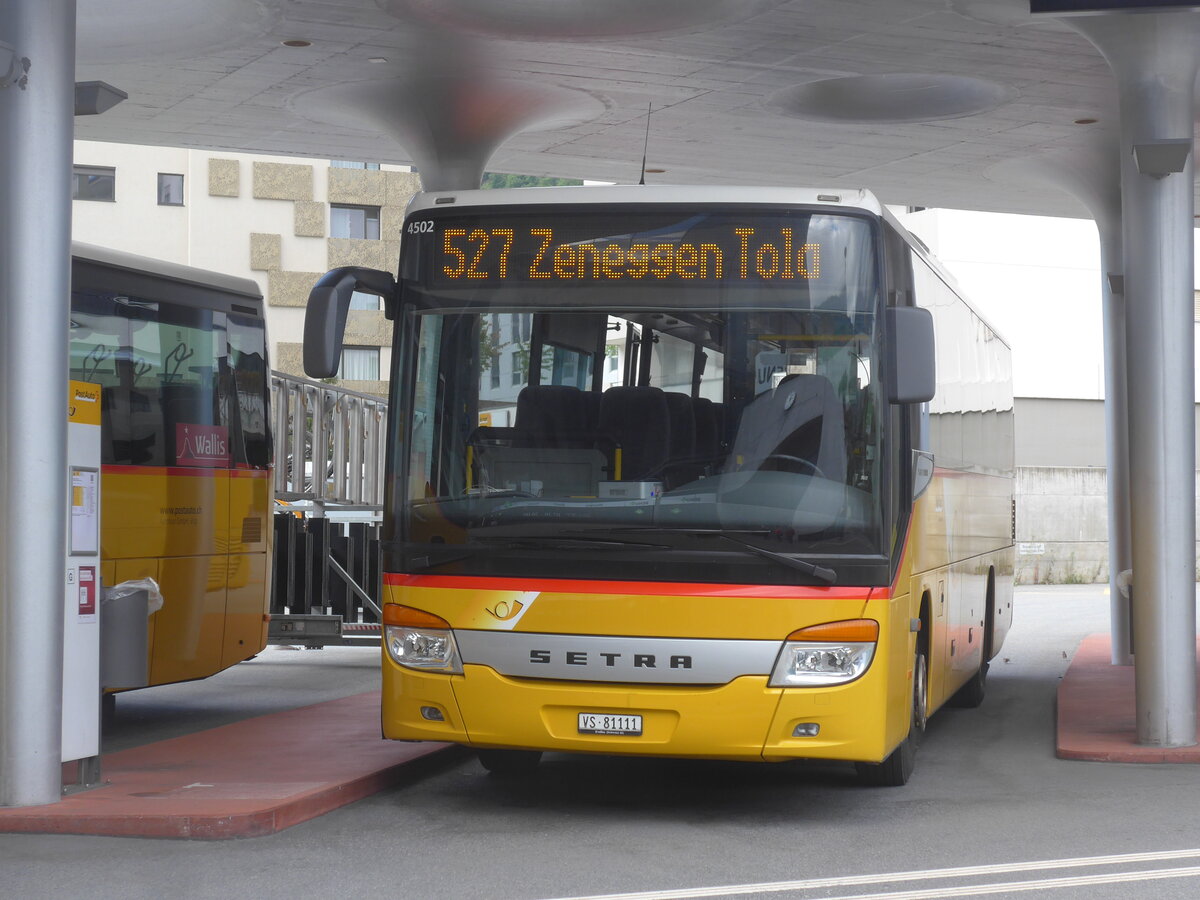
1116,439
1092,175
1154,58
36,128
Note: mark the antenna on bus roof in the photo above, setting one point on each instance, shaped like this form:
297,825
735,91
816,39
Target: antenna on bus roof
646,145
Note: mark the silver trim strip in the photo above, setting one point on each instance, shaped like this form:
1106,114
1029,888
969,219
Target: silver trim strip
633,660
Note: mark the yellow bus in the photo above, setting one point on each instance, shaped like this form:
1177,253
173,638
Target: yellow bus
690,472
181,358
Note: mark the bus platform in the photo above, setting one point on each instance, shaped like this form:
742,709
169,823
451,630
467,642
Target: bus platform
1096,717
250,778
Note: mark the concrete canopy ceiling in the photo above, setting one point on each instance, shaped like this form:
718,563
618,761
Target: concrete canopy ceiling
925,102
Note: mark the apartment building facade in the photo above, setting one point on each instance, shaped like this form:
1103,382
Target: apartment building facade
281,221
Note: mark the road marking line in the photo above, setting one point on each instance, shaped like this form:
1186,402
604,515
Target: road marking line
771,887
1040,884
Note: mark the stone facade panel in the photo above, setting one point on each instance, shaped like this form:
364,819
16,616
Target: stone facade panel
283,181
393,255
354,252
310,218
400,188
391,221
224,178
290,288
266,252
368,328
375,388
361,187
289,359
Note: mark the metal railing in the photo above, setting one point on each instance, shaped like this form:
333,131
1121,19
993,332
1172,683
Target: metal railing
329,461
329,443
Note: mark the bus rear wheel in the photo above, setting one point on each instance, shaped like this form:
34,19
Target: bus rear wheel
510,762
970,695
898,767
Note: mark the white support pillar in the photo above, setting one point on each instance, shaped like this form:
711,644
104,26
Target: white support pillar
1154,58
36,129
1092,175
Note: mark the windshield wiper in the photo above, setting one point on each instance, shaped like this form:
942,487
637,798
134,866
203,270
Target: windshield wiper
822,573
827,575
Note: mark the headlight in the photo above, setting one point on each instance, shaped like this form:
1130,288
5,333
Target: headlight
420,640
833,653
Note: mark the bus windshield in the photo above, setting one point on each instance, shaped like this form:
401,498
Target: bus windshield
671,394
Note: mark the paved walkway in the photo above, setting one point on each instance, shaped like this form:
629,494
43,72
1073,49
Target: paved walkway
265,773
253,777
1096,718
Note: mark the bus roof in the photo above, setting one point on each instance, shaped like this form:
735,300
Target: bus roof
145,265
853,198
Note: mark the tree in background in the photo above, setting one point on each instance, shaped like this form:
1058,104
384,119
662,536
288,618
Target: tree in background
500,180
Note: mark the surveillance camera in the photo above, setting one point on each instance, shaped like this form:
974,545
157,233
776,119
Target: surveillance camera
13,68
8,59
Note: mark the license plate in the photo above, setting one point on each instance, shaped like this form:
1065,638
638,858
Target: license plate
606,723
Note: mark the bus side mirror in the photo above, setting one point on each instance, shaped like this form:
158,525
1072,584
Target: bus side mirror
911,374
328,306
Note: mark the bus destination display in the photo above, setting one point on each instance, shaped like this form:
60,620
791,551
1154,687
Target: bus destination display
726,251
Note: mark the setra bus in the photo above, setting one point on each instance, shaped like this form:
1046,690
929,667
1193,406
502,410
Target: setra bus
180,355
683,472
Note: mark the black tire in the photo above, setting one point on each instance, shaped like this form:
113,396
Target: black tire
898,767
970,695
510,762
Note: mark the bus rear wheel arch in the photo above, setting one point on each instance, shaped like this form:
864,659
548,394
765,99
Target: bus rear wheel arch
971,694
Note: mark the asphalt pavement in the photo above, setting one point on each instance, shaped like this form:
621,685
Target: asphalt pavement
990,810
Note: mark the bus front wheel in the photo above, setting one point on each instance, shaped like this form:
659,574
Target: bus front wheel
896,769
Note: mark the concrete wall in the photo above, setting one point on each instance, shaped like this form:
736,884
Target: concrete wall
1062,525
1064,432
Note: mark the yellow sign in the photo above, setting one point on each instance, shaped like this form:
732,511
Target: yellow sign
83,403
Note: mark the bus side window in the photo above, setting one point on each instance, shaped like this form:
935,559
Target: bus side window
248,365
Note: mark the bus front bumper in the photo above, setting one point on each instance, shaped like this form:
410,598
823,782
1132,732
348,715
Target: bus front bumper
742,720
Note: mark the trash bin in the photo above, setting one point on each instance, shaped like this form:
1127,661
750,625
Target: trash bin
124,633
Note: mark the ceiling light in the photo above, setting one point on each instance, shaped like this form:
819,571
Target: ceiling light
1086,121
95,97
892,98
376,59
296,42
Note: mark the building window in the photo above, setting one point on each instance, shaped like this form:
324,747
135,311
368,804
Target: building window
361,222
170,190
518,367
359,364
363,300
347,164
93,183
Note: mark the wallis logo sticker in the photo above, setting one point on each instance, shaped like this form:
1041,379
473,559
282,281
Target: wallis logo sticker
204,446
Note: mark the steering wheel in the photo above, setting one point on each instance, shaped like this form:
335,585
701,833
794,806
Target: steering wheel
806,464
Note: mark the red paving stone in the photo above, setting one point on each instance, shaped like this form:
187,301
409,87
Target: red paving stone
1096,718
248,779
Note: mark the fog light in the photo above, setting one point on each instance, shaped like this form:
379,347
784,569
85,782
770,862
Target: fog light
432,713
806,729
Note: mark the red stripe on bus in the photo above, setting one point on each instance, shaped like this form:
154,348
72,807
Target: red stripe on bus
652,588
194,472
